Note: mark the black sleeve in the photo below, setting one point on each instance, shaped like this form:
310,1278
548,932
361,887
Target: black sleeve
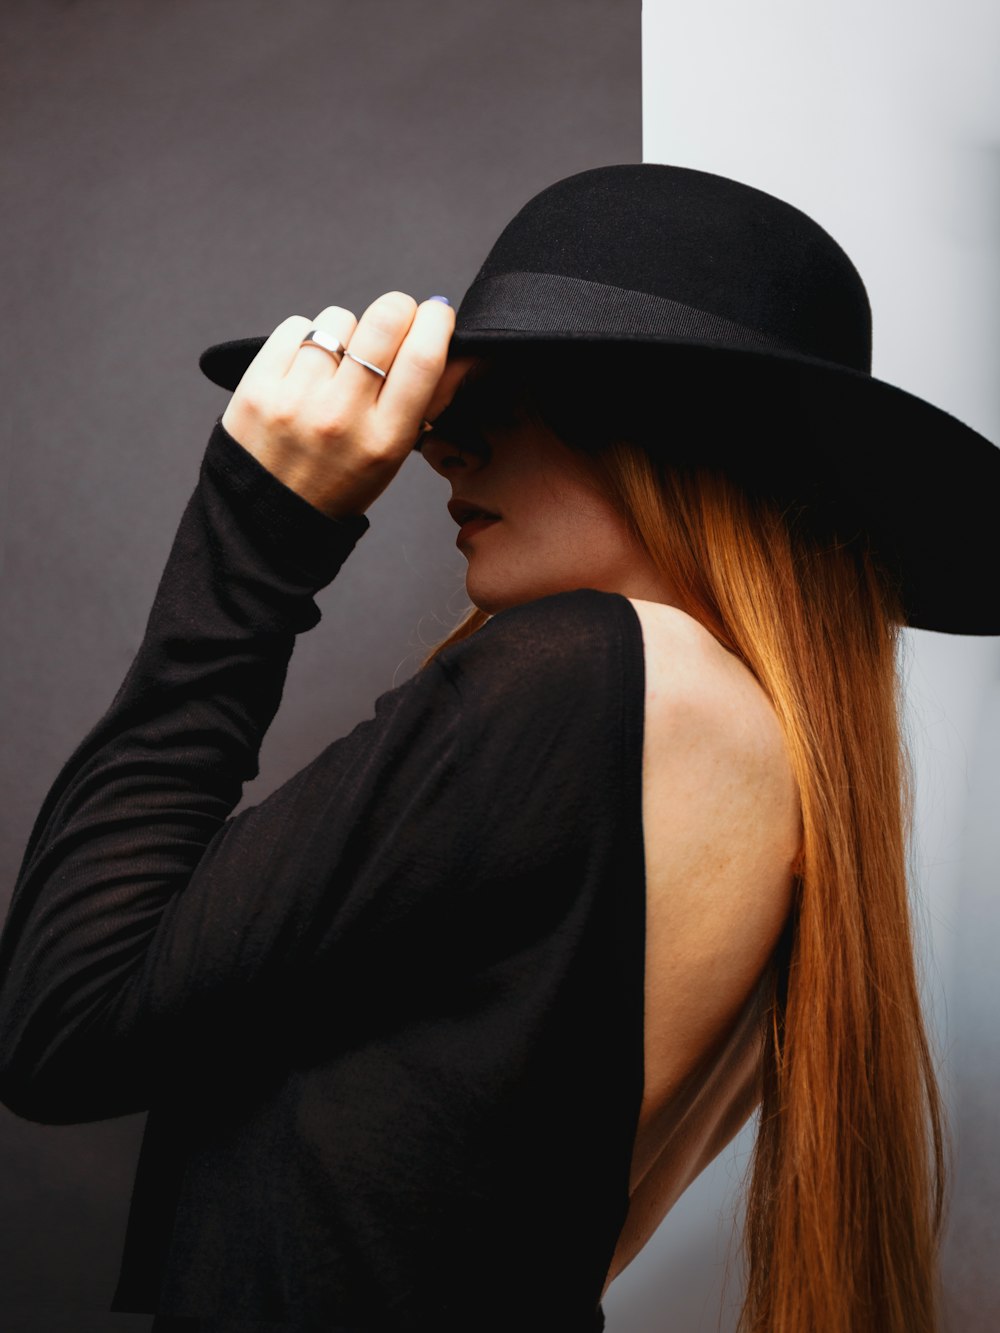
152,935
108,934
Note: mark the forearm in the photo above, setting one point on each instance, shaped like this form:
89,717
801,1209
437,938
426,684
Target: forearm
131,812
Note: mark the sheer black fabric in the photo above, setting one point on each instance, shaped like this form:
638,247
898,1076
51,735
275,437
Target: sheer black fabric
387,1024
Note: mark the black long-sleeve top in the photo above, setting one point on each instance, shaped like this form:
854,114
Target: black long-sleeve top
387,1023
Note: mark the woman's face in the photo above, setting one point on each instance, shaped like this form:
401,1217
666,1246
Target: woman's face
555,529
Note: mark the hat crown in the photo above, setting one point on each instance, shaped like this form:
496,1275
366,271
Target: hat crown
727,280
694,239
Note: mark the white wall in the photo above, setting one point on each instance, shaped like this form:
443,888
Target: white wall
883,123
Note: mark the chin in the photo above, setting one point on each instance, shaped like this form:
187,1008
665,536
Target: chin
501,596
489,603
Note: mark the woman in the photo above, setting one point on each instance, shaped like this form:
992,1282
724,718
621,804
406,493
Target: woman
435,1035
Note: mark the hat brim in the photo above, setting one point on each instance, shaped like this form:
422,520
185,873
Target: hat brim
926,485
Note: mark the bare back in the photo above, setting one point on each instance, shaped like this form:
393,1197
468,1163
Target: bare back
722,826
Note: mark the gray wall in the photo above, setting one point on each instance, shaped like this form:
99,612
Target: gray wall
179,174
882,122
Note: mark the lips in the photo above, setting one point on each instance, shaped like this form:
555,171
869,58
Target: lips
474,525
462,511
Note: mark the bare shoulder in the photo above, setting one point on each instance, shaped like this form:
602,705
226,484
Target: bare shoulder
715,752
692,679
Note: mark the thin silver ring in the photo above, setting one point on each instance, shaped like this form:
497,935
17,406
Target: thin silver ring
367,364
320,338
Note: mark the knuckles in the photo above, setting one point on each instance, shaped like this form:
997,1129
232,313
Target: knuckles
273,406
332,425
390,310
248,401
283,407
427,360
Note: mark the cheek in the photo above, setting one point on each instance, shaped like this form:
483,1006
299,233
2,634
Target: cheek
571,530
555,535
581,515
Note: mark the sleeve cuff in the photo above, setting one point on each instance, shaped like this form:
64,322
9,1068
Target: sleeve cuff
284,525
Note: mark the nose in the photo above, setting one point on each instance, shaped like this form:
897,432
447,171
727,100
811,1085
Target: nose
449,459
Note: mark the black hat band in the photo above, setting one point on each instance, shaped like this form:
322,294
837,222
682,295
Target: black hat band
552,303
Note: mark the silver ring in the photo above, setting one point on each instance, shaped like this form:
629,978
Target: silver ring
367,364
320,338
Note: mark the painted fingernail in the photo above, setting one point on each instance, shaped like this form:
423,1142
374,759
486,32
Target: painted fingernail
439,298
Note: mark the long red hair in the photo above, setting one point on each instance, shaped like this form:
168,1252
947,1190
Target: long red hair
845,1199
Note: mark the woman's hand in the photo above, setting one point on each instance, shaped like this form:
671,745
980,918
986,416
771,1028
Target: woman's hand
331,429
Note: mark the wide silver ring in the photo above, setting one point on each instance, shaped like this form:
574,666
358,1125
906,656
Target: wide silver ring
320,338
367,364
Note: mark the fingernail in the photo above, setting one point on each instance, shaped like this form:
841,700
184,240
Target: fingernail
439,298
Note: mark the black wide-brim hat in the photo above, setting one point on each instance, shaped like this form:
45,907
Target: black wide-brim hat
735,279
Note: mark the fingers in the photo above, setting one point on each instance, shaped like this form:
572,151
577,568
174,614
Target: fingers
310,364
453,374
275,357
406,340
416,371
377,338
301,390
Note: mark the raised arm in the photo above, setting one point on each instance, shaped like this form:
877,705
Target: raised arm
150,788
147,794
155,938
